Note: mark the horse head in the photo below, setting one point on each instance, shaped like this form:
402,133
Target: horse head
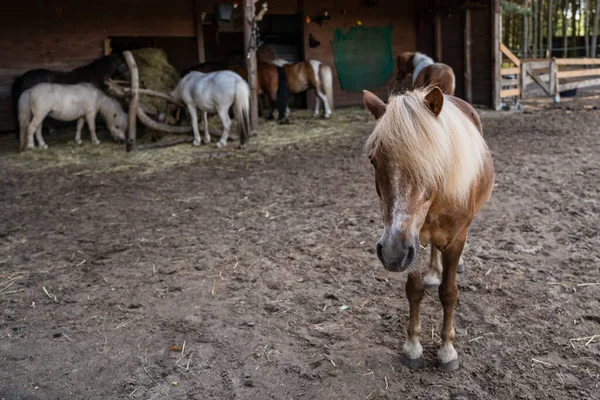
405,190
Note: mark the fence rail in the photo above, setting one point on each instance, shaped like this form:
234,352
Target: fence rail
554,75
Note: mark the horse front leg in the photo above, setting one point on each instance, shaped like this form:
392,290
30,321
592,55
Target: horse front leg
433,277
448,291
91,121
412,351
317,103
80,123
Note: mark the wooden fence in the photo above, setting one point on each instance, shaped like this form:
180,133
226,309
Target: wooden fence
554,76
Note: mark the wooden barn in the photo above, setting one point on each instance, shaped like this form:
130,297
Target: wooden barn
64,34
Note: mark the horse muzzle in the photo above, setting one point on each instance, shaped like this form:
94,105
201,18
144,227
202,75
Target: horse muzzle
397,256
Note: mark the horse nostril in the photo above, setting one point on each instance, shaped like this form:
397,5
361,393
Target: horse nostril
410,256
380,252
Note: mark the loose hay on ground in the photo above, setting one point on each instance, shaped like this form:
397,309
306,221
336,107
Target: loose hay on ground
111,157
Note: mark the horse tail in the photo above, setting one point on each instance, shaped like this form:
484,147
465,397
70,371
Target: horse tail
241,109
283,93
326,77
15,93
24,118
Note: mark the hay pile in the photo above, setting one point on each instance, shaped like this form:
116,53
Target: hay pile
157,74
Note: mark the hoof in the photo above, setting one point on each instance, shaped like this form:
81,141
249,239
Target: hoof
44,146
242,147
97,142
78,142
195,143
461,266
449,366
220,144
412,363
327,116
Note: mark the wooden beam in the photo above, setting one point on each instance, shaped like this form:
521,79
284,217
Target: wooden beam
134,101
438,37
578,73
250,53
577,85
510,71
198,26
467,46
510,93
578,61
522,77
506,51
538,79
496,37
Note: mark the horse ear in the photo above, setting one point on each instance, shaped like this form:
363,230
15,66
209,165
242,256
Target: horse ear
374,104
435,100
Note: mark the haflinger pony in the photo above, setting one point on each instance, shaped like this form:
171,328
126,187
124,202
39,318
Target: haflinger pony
81,103
426,72
433,173
97,73
308,74
215,92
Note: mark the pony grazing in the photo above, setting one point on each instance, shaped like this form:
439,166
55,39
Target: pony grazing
426,72
215,92
81,102
433,173
97,73
308,74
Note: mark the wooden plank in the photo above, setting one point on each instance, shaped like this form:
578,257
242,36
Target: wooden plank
198,27
580,84
134,101
510,93
522,79
553,79
537,79
578,61
510,71
438,37
537,64
251,66
509,82
578,73
468,69
496,37
510,55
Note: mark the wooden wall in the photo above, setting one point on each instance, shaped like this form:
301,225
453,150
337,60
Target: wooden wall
64,34
399,13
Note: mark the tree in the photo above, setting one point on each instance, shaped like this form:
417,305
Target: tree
550,32
595,35
586,28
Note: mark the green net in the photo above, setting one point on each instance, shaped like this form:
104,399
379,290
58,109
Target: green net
363,57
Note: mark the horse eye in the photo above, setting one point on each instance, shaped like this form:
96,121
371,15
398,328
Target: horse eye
373,163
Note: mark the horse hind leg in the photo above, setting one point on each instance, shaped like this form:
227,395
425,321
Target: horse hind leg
224,115
34,125
194,117
206,132
317,105
433,277
323,98
38,134
80,123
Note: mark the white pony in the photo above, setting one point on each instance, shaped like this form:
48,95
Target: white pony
215,92
80,102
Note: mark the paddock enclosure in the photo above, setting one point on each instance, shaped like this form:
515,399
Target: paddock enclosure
203,273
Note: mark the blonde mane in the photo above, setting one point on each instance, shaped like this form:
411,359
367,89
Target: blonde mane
445,153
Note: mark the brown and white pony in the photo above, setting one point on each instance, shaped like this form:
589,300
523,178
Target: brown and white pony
426,72
308,74
433,173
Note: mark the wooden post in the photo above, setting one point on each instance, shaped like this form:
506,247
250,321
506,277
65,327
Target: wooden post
522,77
496,17
554,81
198,25
250,53
467,45
438,37
134,101
526,33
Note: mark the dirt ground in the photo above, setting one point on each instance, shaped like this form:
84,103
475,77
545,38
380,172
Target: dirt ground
260,266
